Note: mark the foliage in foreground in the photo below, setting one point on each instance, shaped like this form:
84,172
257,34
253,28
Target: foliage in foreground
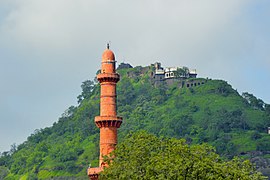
145,156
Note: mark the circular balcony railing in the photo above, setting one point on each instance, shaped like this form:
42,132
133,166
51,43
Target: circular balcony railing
108,77
108,121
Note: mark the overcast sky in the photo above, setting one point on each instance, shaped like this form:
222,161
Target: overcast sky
48,47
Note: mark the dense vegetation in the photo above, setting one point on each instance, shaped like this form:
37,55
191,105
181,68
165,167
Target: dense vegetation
213,113
170,158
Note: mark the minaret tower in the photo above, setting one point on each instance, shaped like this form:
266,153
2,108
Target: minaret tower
108,122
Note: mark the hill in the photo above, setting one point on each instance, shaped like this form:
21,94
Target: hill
213,113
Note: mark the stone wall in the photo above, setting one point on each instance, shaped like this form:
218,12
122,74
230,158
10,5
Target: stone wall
181,82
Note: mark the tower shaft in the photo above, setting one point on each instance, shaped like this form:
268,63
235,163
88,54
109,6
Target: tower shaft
108,121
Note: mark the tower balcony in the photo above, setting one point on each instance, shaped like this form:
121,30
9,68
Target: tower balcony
108,121
94,172
108,77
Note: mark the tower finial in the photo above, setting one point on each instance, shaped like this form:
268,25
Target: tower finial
108,45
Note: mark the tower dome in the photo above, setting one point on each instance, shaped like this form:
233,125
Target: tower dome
108,54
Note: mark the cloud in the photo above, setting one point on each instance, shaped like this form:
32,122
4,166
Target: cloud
64,23
48,47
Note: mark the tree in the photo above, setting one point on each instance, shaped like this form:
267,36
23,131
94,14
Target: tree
13,148
182,72
3,172
267,108
5,158
69,112
263,144
253,101
87,88
145,156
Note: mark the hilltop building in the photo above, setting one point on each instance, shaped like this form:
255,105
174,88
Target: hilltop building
173,72
184,76
108,122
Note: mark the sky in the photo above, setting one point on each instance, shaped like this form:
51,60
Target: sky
49,47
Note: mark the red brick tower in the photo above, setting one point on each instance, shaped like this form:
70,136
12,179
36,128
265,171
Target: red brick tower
108,121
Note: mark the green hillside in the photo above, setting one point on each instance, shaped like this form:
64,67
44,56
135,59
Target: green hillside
213,113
